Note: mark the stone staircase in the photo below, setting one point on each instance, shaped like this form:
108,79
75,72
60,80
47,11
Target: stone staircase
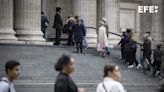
38,75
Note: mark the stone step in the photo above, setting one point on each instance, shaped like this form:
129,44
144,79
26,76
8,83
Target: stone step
38,74
89,87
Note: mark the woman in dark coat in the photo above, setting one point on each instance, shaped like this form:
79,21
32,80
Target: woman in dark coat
65,66
79,33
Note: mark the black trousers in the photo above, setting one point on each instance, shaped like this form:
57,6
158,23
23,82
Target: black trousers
58,36
107,51
44,32
122,53
79,45
70,38
132,57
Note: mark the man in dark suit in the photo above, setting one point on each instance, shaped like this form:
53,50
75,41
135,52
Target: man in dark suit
58,25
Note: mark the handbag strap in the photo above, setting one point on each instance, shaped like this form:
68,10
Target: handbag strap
7,83
104,87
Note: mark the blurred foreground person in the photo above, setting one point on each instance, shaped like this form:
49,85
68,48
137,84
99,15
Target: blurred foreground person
64,83
12,69
111,82
161,87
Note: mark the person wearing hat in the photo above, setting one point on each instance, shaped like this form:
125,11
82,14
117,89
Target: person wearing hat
106,25
58,25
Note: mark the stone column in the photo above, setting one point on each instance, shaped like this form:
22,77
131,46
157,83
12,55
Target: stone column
100,10
112,12
157,22
27,21
7,34
87,10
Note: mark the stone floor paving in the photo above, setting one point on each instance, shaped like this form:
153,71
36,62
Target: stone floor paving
38,75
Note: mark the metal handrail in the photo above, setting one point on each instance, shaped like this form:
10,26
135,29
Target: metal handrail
114,34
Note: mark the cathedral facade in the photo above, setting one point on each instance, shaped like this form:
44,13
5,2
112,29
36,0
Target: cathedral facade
20,20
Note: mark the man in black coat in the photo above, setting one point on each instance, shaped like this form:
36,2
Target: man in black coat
58,25
147,51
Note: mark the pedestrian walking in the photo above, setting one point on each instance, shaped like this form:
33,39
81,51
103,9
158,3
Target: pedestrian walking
157,55
147,50
44,24
12,69
122,44
102,44
64,83
132,53
111,80
79,34
85,42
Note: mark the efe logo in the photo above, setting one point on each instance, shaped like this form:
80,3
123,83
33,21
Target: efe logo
147,9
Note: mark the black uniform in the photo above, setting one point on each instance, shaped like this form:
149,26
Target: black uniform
64,83
58,25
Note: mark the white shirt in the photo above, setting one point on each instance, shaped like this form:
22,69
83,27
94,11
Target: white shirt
5,85
110,85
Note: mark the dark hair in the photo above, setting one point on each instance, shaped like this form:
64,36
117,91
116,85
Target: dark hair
159,46
69,17
128,30
58,9
108,68
63,60
11,64
42,12
148,32
76,17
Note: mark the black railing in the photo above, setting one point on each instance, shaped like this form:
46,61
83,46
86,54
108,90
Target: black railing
112,33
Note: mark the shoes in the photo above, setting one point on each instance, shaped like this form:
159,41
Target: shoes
157,73
56,44
130,66
139,66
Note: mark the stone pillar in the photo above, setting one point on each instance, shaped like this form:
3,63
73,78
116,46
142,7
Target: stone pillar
7,34
48,7
112,12
100,10
157,23
27,21
87,10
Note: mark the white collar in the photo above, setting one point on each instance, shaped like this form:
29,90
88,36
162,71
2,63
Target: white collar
108,79
5,79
